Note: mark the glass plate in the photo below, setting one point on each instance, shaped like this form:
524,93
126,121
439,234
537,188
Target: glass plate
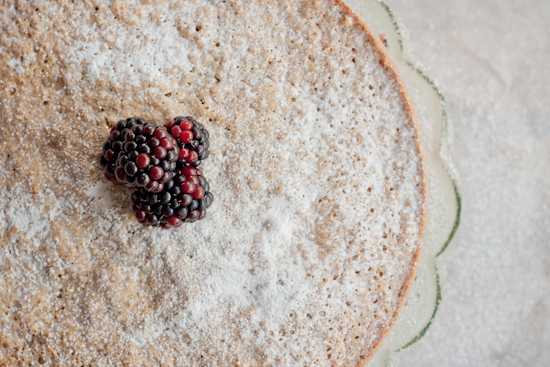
444,202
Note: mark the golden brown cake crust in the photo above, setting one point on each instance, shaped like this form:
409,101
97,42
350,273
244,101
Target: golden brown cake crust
313,242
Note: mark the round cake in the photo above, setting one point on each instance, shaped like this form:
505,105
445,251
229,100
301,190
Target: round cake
306,256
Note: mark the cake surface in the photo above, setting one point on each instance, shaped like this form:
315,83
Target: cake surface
306,256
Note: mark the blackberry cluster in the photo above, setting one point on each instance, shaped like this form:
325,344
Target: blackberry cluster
185,198
139,153
160,163
192,139
115,144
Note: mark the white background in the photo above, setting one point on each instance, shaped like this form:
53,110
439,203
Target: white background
492,60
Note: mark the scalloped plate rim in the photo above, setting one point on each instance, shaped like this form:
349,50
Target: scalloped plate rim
411,59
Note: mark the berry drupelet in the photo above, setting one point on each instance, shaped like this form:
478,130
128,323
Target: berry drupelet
184,199
192,139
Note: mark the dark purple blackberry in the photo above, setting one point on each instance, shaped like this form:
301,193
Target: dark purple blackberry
143,154
114,145
184,199
192,139
170,189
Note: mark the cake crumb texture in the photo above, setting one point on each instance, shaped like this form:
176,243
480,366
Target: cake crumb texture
306,255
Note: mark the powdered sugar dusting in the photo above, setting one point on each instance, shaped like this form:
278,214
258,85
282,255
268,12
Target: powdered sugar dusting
314,165
149,53
16,65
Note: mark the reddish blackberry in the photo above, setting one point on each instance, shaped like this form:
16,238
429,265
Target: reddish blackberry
145,155
184,199
192,139
170,189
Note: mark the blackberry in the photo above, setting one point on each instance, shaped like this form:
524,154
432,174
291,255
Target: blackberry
183,199
143,154
192,139
160,162
114,145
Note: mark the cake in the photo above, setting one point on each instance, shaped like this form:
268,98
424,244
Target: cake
307,255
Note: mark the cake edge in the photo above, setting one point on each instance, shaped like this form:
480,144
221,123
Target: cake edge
390,66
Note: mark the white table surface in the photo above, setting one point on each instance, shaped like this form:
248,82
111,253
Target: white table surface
492,60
